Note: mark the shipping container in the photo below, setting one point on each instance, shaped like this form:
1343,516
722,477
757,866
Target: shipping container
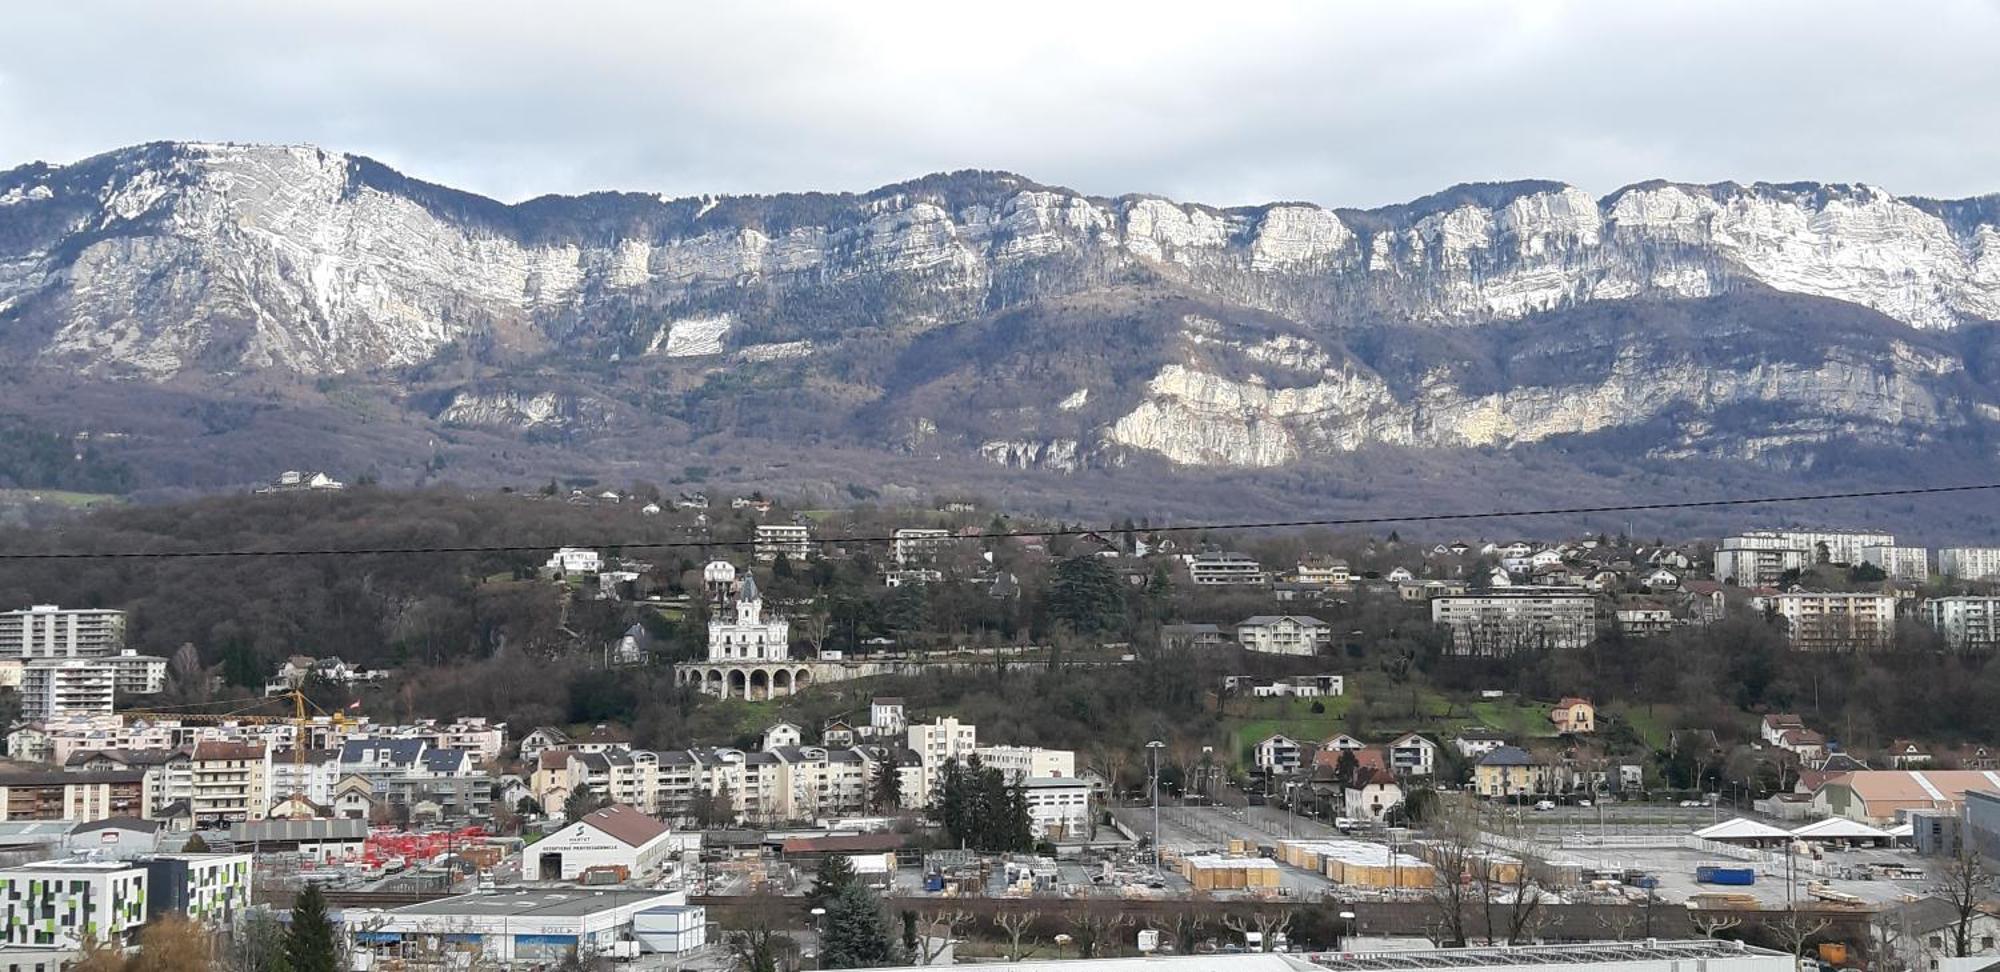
1718,874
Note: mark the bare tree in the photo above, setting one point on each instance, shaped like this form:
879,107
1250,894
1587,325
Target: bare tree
1891,931
1963,882
1452,857
1619,922
1093,926
1015,924
945,925
1185,926
1266,922
761,945
1713,925
1795,929
1111,761
1525,918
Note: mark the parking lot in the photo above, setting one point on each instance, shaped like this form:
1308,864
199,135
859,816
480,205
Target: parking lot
1673,868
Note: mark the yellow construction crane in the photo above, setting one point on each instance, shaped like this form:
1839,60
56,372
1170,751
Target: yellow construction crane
298,717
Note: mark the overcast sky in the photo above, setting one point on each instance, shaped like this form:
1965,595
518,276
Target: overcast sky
1342,103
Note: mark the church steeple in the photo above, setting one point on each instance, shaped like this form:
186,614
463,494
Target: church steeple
748,604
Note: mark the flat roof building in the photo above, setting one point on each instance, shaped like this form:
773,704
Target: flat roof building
522,926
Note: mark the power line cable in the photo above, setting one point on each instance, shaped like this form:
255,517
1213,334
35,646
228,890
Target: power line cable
1350,521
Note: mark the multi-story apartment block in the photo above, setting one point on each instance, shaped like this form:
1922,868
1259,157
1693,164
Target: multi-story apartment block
410,773
76,796
944,740
1836,546
1502,621
311,774
1970,563
231,782
1900,563
67,904
213,889
52,688
168,779
917,546
64,904
792,540
48,631
1283,634
1225,568
1836,620
1967,623
1021,763
137,674
1759,559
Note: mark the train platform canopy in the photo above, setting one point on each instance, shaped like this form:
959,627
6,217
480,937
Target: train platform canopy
1838,828
1743,828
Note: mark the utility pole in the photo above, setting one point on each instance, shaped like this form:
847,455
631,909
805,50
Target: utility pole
1154,748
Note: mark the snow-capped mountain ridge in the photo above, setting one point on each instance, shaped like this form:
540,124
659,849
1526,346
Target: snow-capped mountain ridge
197,262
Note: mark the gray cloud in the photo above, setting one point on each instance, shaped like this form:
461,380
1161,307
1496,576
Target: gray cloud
1338,103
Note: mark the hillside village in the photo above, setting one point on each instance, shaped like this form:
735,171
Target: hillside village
843,684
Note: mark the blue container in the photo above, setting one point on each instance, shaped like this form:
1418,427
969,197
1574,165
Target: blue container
1716,874
934,882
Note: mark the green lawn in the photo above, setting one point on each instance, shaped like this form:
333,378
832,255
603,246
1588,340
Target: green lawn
1514,718
57,497
1395,708
1293,717
1651,725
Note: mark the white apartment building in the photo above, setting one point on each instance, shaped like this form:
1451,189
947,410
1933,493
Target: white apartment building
886,716
1836,621
52,688
1323,572
313,777
944,739
137,674
1970,563
1058,807
1505,620
48,631
1283,634
574,560
230,781
792,540
916,546
1967,623
1645,621
1221,569
1900,563
1759,559
59,905
1022,763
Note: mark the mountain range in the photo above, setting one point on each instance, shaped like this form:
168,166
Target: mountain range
214,311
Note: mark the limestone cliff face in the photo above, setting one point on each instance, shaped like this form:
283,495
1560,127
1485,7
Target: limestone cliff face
189,262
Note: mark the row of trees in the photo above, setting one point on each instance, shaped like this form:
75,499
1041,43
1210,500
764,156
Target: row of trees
980,810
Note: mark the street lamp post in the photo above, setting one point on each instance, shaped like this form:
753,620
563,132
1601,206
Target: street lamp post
1348,917
819,937
1154,748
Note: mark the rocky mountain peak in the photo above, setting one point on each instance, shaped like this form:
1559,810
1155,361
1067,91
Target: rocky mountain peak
1309,329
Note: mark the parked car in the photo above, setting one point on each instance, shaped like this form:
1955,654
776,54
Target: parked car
1545,805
